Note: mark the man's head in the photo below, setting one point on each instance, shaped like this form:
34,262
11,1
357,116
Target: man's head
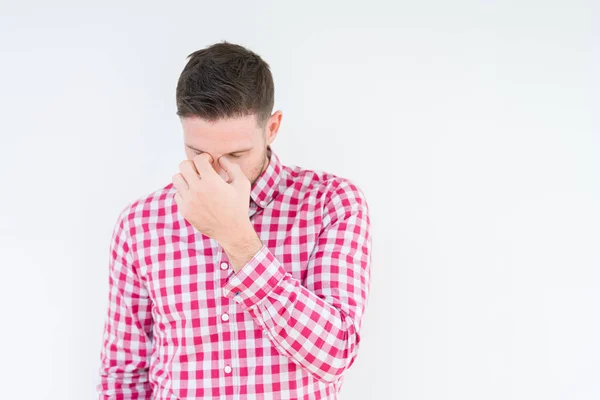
225,96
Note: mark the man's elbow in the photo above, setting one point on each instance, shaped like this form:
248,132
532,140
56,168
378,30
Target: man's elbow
339,361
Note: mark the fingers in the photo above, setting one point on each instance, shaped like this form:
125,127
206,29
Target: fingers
180,183
178,199
237,177
189,173
193,171
203,164
233,170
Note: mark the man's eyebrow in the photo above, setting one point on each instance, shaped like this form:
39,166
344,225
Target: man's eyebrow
233,152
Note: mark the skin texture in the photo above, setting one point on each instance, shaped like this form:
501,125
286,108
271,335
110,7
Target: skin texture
220,138
213,186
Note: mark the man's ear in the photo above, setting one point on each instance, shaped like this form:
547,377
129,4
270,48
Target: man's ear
272,127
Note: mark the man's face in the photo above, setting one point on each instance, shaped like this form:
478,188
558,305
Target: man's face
238,139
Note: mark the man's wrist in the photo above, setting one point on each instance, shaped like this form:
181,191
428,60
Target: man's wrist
241,248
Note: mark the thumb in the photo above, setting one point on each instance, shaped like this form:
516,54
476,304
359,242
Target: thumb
236,175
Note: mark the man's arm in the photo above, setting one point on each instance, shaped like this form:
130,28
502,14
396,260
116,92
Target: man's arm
317,325
127,341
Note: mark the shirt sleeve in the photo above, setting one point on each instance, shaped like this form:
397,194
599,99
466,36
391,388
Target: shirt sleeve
127,340
316,323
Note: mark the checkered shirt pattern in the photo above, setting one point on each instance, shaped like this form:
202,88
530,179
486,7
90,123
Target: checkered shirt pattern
181,324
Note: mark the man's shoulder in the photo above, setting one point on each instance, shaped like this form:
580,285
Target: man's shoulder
154,204
335,190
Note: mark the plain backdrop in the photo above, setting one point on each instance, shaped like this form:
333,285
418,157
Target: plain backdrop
472,127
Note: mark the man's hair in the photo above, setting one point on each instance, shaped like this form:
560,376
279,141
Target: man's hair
225,80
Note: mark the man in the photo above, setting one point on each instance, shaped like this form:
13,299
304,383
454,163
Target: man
243,278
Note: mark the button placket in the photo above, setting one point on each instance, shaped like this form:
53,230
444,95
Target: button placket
224,266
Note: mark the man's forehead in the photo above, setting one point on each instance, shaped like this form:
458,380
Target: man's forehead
246,123
224,131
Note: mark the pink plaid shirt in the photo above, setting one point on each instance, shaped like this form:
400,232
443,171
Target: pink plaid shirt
181,324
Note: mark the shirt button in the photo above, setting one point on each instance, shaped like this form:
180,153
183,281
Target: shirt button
225,317
224,265
227,369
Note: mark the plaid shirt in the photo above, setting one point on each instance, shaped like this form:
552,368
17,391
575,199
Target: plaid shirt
181,324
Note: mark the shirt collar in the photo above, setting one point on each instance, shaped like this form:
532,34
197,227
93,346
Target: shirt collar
265,188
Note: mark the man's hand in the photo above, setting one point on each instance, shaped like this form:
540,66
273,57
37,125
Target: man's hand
218,207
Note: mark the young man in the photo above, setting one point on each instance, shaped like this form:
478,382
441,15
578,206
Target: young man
243,278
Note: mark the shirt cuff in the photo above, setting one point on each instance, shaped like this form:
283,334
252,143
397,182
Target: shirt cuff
255,280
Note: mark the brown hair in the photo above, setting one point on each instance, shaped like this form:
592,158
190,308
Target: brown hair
225,80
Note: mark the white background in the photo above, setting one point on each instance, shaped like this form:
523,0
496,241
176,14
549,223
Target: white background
472,127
